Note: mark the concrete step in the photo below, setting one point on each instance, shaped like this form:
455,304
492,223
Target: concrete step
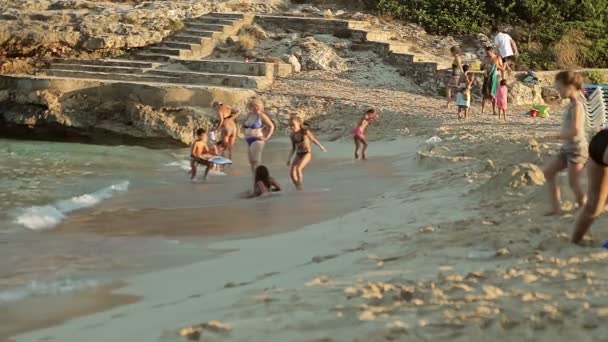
226,80
230,67
235,16
211,20
370,36
151,56
112,76
156,94
96,68
107,62
181,45
170,51
199,33
358,25
399,48
182,38
208,27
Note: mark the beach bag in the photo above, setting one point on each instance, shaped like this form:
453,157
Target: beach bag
543,110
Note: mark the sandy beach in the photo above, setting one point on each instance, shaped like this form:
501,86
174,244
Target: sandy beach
440,236
458,249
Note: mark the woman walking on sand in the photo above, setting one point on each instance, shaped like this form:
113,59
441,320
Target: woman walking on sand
492,65
301,139
573,153
254,125
454,78
597,170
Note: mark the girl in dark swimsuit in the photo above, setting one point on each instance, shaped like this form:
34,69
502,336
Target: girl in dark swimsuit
301,139
263,183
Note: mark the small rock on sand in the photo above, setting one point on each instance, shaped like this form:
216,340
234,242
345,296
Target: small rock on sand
526,174
428,229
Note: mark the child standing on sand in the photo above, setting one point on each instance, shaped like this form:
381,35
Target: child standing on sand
573,154
359,132
199,154
501,99
301,139
463,97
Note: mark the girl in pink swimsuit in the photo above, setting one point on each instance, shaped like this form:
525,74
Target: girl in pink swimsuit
359,132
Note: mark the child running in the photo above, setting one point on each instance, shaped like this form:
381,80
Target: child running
463,97
573,154
359,132
199,154
597,170
301,139
501,99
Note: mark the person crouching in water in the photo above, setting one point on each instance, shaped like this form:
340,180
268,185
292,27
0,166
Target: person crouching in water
199,154
263,184
301,139
573,153
359,132
463,97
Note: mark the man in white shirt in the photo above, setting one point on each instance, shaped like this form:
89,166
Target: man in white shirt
506,47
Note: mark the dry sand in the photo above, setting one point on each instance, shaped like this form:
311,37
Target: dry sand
457,250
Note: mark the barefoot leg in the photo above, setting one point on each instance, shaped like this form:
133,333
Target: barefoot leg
598,193
364,149
302,163
575,173
551,170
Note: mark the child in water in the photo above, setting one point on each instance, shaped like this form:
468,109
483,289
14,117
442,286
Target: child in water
263,184
501,99
199,154
463,97
574,153
301,139
359,132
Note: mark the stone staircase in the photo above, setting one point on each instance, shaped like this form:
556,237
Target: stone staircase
174,68
363,37
227,73
175,73
197,39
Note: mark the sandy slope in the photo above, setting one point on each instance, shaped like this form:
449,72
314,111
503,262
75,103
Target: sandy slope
458,251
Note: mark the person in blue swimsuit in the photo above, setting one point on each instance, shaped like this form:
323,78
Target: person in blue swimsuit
253,125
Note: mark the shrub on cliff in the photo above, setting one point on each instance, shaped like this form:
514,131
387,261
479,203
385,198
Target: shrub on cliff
569,32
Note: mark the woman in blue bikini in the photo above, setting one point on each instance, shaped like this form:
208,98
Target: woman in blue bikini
254,135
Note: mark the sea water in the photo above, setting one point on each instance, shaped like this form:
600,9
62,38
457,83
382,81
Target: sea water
42,183
75,216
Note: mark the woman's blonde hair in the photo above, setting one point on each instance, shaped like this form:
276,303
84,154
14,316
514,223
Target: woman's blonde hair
570,78
256,102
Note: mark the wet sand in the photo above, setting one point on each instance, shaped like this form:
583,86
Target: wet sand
218,209
35,313
131,228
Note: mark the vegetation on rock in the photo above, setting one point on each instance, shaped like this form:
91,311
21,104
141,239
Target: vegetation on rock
551,33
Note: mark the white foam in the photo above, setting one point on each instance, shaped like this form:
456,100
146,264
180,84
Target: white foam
184,164
41,289
48,216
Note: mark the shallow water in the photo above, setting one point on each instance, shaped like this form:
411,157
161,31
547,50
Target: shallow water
78,216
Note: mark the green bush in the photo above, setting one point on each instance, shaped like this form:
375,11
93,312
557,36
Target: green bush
438,16
597,76
539,22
